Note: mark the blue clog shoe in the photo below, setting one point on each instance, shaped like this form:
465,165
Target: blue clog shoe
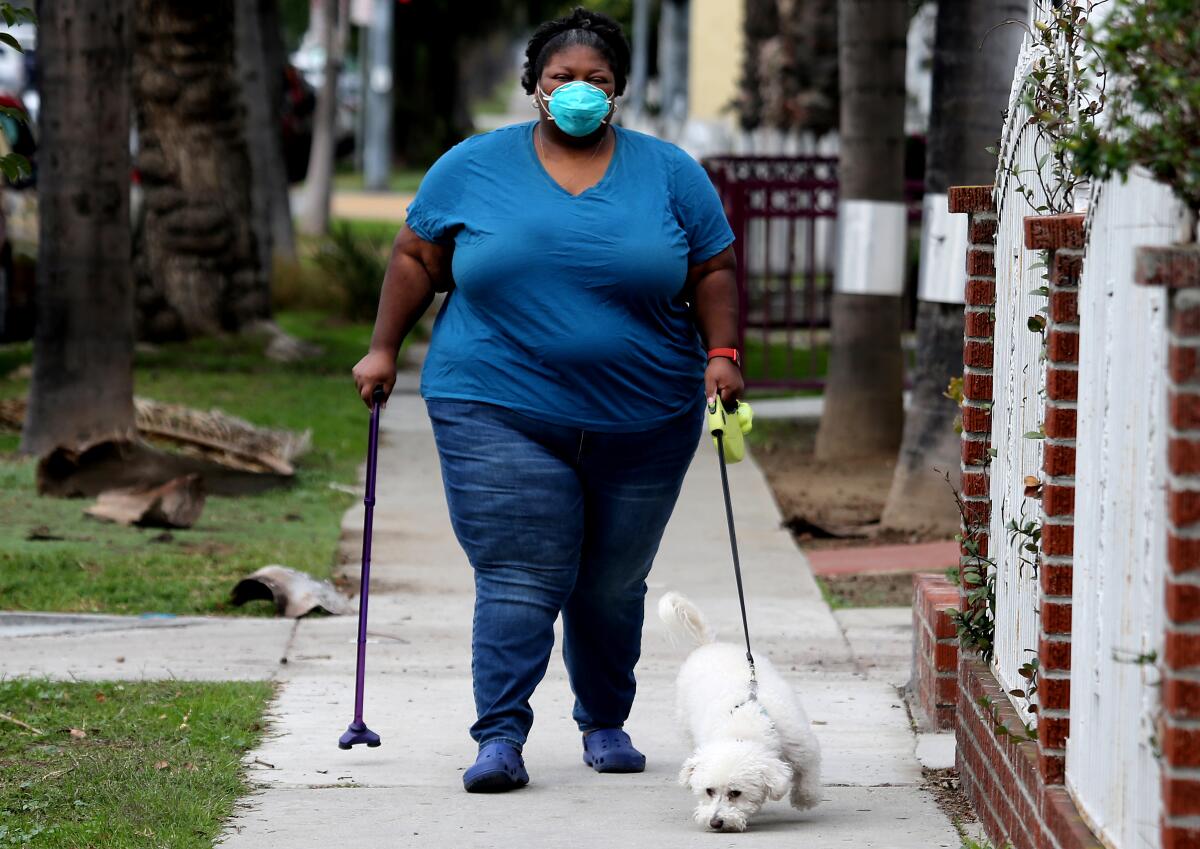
497,769
611,750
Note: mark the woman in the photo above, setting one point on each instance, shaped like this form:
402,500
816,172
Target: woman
589,268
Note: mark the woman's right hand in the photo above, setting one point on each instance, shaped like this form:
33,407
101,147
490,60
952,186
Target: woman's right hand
377,368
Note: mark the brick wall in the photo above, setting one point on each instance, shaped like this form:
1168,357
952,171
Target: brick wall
1000,774
1062,238
935,655
1014,783
1178,268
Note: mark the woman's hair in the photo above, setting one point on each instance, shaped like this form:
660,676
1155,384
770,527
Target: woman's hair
590,29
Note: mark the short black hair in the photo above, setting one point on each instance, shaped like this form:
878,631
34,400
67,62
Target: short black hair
591,29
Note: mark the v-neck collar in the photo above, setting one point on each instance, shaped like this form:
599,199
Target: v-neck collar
604,178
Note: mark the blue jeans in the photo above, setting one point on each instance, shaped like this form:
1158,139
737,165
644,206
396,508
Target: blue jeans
556,519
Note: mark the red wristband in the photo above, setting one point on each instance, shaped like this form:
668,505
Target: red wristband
730,353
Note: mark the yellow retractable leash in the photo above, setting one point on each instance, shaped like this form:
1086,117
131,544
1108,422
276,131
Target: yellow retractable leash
728,428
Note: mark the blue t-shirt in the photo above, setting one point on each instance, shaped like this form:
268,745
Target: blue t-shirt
569,309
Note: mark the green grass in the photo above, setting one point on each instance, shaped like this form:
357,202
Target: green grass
771,434
102,567
833,599
144,764
405,181
772,360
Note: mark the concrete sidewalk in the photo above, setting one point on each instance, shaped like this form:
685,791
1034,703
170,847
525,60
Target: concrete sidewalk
409,791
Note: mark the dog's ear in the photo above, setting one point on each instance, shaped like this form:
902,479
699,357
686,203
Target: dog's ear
686,771
779,778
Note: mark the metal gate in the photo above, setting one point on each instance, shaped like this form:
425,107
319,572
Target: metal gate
783,211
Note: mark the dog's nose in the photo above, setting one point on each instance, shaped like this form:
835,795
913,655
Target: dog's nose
716,823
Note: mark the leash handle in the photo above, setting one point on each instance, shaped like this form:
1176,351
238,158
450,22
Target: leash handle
731,424
737,565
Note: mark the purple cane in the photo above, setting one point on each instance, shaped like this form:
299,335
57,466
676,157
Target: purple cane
358,732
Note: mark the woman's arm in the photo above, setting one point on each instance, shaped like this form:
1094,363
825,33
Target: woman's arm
415,271
712,289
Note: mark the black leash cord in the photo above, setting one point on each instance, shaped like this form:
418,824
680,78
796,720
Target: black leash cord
737,566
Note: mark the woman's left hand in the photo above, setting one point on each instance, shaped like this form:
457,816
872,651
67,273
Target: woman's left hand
726,377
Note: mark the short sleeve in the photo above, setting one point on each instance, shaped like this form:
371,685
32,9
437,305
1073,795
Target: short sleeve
435,213
698,210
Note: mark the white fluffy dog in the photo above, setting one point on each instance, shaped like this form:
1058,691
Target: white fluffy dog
745,751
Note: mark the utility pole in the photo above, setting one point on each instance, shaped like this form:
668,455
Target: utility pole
377,129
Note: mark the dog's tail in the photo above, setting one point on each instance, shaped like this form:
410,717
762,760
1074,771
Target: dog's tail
684,620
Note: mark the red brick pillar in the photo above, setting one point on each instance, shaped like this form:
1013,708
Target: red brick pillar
1062,238
1178,268
935,655
979,321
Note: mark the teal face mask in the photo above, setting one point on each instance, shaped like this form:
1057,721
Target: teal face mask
578,108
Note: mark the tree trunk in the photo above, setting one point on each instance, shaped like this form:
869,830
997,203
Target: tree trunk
789,72
864,413
318,184
274,53
82,387
970,91
262,144
198,267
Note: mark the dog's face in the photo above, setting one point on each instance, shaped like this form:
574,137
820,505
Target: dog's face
733,779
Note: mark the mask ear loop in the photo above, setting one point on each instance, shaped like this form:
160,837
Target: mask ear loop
538,100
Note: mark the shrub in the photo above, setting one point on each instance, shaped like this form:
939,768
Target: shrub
301,286
355,264
1151,50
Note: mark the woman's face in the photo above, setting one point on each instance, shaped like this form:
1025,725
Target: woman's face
577,62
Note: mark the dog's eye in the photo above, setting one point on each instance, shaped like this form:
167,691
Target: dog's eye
733,794
709,791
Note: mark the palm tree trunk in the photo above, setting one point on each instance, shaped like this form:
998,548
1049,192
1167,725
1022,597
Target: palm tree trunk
863,413
260,64
283,233
970,91
199,269
82,387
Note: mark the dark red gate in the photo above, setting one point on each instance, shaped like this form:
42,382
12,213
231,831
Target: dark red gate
783,211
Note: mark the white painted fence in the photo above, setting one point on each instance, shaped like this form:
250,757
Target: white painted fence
1119,558
1120,520
1017,387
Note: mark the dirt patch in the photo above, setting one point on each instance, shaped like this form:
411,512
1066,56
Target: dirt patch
826,505
894,589
830,499
946,789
